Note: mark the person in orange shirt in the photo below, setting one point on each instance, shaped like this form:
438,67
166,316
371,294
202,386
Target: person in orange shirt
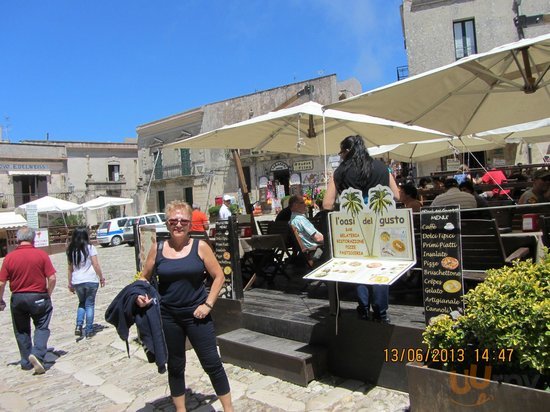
199,220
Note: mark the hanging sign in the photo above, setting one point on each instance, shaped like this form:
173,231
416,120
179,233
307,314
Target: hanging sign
302,165
278,166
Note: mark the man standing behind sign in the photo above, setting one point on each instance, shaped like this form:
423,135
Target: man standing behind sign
32,280
225,212
199,220
359,170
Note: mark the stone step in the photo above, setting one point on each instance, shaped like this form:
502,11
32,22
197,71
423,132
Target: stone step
282,358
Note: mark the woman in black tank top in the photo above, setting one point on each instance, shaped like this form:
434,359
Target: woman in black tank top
180,265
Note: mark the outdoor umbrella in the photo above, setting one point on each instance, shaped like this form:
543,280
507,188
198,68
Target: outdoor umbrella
531,132
300,130
105,201
49,204
432,149
505,86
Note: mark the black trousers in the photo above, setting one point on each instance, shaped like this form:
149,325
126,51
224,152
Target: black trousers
24,307
203,338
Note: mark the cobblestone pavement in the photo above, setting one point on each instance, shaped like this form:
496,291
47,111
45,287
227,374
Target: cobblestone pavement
96,374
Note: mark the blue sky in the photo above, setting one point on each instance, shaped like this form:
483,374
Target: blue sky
94,70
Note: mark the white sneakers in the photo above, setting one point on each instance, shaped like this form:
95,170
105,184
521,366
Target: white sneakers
37,365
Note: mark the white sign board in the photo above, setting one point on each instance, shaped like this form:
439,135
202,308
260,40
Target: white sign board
32,216
370,246
41,239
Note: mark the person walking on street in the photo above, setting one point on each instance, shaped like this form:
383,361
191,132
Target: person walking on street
84,278
180,264
32,281
360,171
225,212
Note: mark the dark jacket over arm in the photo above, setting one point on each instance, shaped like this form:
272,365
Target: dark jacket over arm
123,313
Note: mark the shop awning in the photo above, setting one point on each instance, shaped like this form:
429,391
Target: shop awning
29,172
11,220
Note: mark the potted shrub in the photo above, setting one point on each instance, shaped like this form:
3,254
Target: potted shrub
496,356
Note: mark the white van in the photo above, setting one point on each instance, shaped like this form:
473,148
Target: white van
110,232
156,220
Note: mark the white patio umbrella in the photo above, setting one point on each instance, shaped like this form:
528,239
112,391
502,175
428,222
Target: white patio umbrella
105,201
300,130
49,204
531,132
505,86
432,149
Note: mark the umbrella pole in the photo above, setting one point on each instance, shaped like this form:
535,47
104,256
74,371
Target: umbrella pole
244,189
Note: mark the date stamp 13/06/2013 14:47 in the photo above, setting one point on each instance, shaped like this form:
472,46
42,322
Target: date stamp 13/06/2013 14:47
438,355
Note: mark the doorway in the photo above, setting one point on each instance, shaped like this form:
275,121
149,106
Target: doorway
282,177
29,187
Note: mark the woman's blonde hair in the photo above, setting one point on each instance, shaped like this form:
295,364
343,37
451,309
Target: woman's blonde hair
178,205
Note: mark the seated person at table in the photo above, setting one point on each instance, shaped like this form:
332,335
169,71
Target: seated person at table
495,177
462,174
468,187
284,215
540,192
453,196
311,237
409,197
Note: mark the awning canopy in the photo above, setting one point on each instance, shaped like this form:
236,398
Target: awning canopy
29,172
11,220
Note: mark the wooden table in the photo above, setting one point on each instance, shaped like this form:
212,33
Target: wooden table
265,254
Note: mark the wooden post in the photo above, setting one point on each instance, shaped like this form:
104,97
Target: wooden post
244,190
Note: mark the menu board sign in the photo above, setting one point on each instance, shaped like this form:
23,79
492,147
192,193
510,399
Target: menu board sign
370,246
441,261
227,254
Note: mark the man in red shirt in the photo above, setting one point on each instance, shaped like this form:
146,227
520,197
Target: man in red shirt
199,220
32,280
495,176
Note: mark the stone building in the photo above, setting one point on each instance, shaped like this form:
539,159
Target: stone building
74,171
439,32
200,176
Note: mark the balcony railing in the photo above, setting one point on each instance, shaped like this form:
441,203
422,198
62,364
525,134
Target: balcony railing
171,171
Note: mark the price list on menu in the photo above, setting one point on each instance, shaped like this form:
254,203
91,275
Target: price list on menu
227,254
442,282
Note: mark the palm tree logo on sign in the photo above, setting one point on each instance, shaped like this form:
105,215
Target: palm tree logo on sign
380,201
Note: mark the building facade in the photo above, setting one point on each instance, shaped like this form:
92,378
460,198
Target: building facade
439,32
201,176
74,171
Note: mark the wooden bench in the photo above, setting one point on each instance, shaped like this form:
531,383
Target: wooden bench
482,248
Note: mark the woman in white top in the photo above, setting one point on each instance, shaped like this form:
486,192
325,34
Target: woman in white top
85,276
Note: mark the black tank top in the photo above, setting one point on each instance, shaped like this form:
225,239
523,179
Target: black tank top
181,281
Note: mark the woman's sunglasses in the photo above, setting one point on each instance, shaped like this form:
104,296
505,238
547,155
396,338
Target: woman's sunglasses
174,222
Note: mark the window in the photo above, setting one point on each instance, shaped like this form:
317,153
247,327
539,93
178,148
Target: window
151,219
188,195
157,156
185,162
114,173
161,201
465,38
